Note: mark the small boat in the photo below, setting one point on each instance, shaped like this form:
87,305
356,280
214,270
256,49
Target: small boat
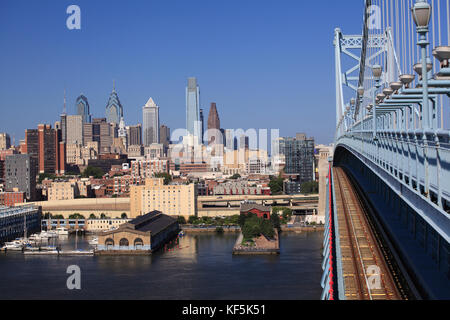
94,241
62,231
13,246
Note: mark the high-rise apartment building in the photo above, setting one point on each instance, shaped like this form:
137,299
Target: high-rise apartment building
299,156
44,145
193,124
114,109
82,106
20,174
5,141
74,125
150,117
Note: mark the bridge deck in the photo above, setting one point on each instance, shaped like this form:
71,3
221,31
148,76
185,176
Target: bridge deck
365,272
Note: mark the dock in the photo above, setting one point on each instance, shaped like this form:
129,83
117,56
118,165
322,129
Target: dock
59,253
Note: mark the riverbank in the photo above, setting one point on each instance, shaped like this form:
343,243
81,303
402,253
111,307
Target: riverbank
233,229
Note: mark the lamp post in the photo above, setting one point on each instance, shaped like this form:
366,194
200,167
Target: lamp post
421,12
377,72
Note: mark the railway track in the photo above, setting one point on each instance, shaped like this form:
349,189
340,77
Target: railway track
365,270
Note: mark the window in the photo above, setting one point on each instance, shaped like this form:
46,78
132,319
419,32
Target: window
123,242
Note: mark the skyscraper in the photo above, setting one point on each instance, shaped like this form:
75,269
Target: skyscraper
150,120
299,156
134,135
82,106
214,133
114,109
122,133
45,147
202,125
63,122
164,135
193,124
74,125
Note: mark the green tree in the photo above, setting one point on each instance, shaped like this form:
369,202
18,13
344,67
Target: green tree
235,176
76,216
181,220
309,187
92,216
95,172
276,185
275,219
124,216
167,177
192,219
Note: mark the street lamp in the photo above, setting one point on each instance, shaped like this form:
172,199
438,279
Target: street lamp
377,71
421,12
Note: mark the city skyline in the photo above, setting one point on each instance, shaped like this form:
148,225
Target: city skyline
232,67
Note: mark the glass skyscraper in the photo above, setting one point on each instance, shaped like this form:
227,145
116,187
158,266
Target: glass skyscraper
193,123
299,156
82,106
114,110
150,120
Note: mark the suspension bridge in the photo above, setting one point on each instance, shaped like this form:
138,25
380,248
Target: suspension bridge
387,232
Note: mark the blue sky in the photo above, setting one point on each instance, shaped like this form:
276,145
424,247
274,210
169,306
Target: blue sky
267,64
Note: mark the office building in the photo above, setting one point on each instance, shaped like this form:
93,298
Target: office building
100,131
202,126
214,133
134,134
193,124
150,122
114,109
74,125
83,110
164,136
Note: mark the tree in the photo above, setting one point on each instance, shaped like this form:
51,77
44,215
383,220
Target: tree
192,219
275,219
76,216
309,187
181,220
95,172
92,216
167,177
276,185
255,227
124,216
235,176
104,216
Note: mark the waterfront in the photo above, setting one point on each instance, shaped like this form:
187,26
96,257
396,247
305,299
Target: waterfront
202,268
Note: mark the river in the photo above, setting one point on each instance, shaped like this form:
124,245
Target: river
202,268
